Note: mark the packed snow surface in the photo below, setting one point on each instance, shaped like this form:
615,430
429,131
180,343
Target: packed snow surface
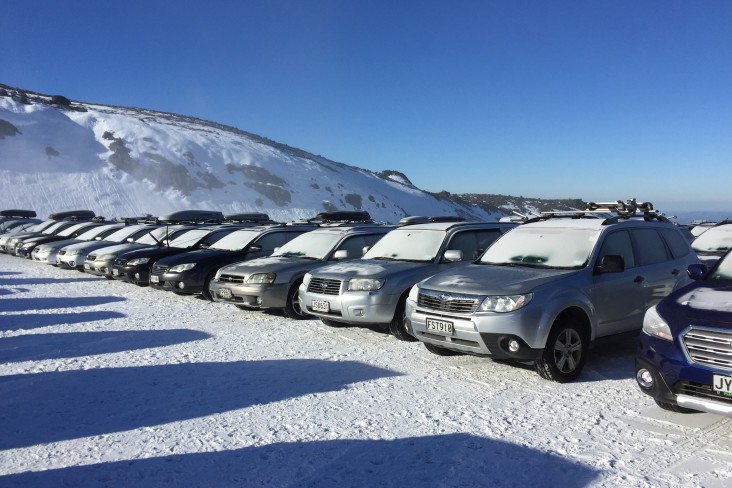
106,384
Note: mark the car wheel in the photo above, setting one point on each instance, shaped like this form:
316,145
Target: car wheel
293,308
397,325
440,351
206,293
673,407
565,352
332,323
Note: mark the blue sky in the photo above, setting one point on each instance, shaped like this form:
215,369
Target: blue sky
600,100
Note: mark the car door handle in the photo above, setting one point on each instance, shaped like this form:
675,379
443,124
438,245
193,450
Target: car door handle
639,279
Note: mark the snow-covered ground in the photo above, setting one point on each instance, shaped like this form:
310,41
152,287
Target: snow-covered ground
107,384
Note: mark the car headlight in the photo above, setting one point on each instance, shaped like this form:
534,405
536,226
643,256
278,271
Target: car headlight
413,293
504,303
364,284
261,278
306,279
655,326
106,257
138,261
182,267
74,252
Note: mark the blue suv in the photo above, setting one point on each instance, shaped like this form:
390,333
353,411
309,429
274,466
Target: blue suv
685,358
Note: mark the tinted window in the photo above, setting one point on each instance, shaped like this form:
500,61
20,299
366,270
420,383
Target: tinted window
650,247
274,239
618,244
473,242
676,242
354,246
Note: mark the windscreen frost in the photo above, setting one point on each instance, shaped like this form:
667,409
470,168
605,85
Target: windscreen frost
715,239
543,248
309,246
189,238
236,240
408,245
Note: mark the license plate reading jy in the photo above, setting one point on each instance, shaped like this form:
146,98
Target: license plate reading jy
154,279
225,293
115,271
722,384
441,327
320,306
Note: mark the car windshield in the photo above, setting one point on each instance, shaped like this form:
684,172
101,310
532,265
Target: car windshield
189,238
723,271
52,228
236,240
420,245
70,230
155,237
92,233
540,247
311,245
715,239
122,234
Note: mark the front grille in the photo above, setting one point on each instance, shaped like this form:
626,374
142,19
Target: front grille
709,347
159,269
228,278
324,286
120,262
91,257
699,390
448,302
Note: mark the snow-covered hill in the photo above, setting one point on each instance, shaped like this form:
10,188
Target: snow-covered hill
59,155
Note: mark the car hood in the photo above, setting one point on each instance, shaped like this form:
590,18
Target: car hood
196,256
485,279
59,244
700,303
90,245
151,252
371,268
118,248
271,264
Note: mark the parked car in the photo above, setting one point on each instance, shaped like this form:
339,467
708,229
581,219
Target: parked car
36,228
21,224
273,282
373,290
27,246
48,252
547,289
13,244
191,272
685,357
73,256
713,243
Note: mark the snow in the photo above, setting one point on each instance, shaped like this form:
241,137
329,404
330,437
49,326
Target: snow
106,384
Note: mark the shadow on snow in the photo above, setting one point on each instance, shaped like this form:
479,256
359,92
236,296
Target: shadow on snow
38,320
44,281
455,460
77,344
54,406
24,304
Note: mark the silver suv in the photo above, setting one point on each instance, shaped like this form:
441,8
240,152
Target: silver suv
547,289
373,290
273,282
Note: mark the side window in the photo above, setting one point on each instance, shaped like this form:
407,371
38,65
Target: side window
354,245
619,244
676,242
650,246
275,239
472,242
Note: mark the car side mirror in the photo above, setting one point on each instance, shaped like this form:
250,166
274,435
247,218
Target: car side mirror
697,271
255,248
340,254
452,255
204,245
365,250
130,239
612,263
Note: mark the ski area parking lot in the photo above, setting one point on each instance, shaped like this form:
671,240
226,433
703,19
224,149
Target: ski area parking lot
103,383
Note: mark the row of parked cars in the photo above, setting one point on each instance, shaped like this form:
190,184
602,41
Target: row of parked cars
539,291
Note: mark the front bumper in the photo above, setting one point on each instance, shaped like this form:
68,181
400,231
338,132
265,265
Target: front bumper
138,275
185,282
352,307
99,267
485,334
272,295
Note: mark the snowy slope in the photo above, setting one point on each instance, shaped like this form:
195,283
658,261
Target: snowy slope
124,162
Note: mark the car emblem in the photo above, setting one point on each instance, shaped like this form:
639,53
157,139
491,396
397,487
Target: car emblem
444,297
324,285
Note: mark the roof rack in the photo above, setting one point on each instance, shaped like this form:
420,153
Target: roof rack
24,214
593,210
73,215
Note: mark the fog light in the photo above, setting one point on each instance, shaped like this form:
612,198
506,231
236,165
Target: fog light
137,276
358,312
644,378
259,300
72,264
181,285
513,345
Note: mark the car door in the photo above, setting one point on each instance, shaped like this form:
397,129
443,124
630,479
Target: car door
657,269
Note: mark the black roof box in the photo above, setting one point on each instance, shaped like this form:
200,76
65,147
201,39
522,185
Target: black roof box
73,214
27,214
192,216
248,217
341,216
416,219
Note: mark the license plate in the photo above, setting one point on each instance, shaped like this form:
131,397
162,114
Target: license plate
442,327
87,266
115,271
154,279
320,306
722,384
225,293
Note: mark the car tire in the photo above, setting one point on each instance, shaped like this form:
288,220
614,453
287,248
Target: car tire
332,323
565,352
672,407
206,293
293,309
397,325
440,351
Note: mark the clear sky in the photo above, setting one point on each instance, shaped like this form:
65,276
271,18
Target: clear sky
600,100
